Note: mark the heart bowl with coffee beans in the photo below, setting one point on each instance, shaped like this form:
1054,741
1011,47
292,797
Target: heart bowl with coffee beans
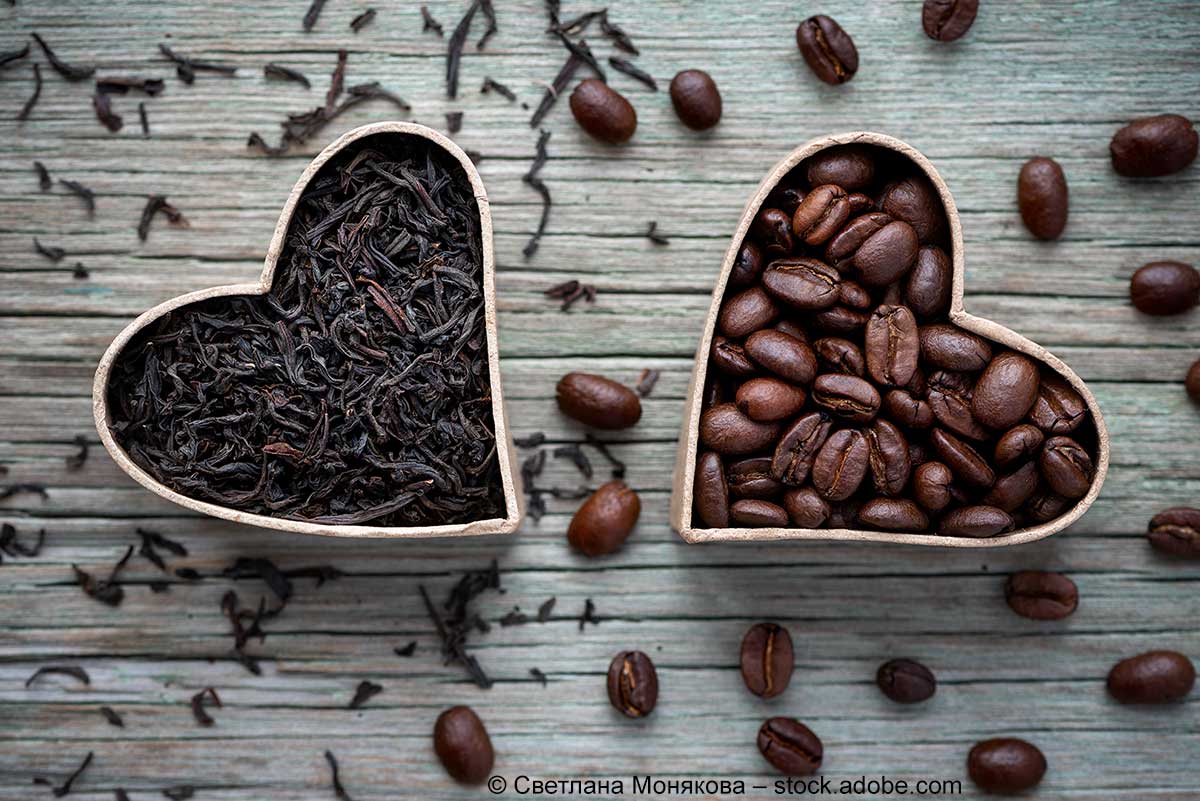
842,392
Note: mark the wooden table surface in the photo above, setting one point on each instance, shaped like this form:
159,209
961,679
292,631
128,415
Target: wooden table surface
1036,77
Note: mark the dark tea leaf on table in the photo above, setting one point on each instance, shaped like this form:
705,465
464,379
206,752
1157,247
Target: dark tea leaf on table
532,179
9,56
77,673
120,86
538,675
314,11
187,573
555,89
589,614
79,271
576,456
407,650
514,618
454,121
429,23
181,793
367,91
653,235
11,544
455,47
156,204
107,591
490,85
265,569
338,789
546,609
68,71
187,67
112,716
44,180
647,381
286,74
362,20
365,691
33,98
489,14
65,788
198,701
532,441
633,71
102,103
618,467
143,119
584,53
82,192
121,795
321,573
616,35
50,252
27,487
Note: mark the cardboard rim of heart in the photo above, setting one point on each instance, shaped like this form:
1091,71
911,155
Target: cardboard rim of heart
505,451
682,494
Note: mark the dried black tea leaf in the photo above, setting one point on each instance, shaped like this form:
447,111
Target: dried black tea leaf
44,180
82,192
538,675
489,14
157,204
51,253
617,36
490,85
429,23
576,456
286,74
102,103
377,305
71,73
314,11
113,718
618,467
454,121
11,544
589,614
33,98
181,793
107,591
159,586
143,119
546,609
265,569
79,271
653,235
575,26
198,712
647,381
365,691
65,788
556,88
514,618
407,650
120,86
321,573
77,673
367,91
532,179
584,53
26,487
532,441
570,291
362,20
10,56
458,621
186,67
187,573
633,71
455,47
338,789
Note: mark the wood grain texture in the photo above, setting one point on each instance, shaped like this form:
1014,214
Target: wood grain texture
1033,77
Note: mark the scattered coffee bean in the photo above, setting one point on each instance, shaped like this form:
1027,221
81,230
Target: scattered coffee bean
767,659
947,20
605,520
1192,382
790,746
827,49
1176,532
696,99
1005,765
1042,197
906,681
1039,595
1155,677
598,401
1165,287
603,112
1151,147
632,684
463,746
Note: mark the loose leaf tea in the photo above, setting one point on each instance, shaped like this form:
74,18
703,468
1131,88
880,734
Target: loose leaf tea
11,545
50,252
653,235
338,789
65,788
68,71
102,103
538,675
429,23
633,71
314,11
407,650
107,591
143,119
286,74
44,180
490,85
77,673
79,271
10,56
571,291
14,489
365,691
266,570
532,179
113,718
82,192
198,712
186,68
455,621
33,99
180,793
546,609
647,381
120,86
454,121
157,204
556,88
362,20
589,614
357,389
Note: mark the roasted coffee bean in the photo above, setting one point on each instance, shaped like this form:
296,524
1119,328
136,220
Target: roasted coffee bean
927,289
917,454
1012,490
846,396
827,49
1067,467
1165,287
748,265
730,433
632,684
1005,765
1058,408
859,202
773,230
767,659
1045,506
784,355
900,406
1006,390
790,746
802,283
711,491
915,201
840,356
1155,677
841,464
463,746
975,521
603,112
806,508
752,478
798,448
887,254
840,320
846,242
892,346
1040,595
947,20
598,401
696,99
746,312
933,485
792,329
758,514
1151,147
849,166
730,358
890,465
1192,382
786,198
1176,531
951,348
1042,197
821,214
963,460
854,295
892,514
605,520
949,397
906,681
844,515
1018,444
767,399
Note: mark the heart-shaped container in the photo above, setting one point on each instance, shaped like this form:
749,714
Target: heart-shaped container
505,451
685,463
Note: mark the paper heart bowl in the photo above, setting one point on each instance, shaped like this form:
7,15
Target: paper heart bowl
504,451
685,464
